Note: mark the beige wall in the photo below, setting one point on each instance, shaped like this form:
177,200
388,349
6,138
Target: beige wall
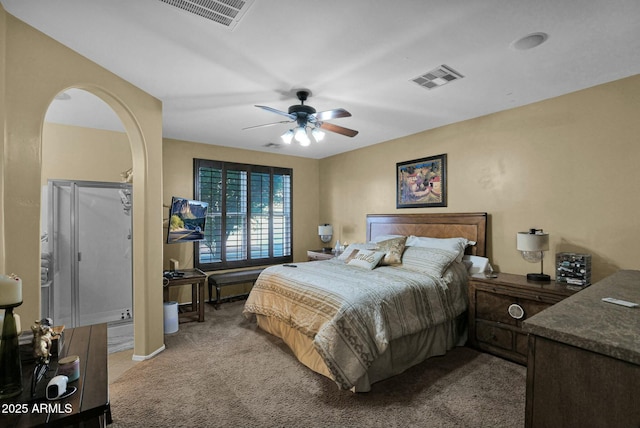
34,69
567,165
76,153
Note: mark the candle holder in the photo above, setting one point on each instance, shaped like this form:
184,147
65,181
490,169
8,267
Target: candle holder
10,365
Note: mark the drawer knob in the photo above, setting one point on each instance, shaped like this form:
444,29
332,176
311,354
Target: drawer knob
516,311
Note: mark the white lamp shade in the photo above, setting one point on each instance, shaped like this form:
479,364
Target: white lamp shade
325,230
527,241
300,134
287,136
317,134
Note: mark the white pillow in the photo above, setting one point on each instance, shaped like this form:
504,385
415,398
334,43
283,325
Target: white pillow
432,261
478,264
367,259
452,244
357,246
381,238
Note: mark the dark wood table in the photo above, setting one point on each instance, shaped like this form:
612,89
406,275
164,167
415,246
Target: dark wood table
88,406
196,278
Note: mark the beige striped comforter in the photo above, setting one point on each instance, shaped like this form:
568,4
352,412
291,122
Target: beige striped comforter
352,313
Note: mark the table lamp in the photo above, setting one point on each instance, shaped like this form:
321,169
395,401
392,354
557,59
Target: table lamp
533,244
325,231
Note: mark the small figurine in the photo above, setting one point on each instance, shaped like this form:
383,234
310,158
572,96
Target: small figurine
43,335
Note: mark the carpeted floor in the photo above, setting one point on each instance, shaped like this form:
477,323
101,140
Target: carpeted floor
227,373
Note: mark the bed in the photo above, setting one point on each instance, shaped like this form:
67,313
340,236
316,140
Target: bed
358,325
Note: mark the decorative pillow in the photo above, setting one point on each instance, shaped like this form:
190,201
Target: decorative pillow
452,244
432,261
353,247
367,259
351,256
393,249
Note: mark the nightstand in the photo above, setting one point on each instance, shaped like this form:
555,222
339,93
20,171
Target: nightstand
498,306
320,254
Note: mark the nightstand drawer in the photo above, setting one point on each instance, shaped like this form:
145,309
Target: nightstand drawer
522,344
494,336
495,307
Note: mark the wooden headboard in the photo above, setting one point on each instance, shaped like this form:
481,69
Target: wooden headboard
472,226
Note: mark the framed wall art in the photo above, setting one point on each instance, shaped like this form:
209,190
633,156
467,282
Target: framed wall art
422,182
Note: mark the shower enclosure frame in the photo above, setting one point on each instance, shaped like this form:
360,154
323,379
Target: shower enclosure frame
75,252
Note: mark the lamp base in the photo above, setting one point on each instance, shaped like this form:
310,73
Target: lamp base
538,277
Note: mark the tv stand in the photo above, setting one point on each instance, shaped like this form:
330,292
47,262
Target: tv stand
171,274
196,278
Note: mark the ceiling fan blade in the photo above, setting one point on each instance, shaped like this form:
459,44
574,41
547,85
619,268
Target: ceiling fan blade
280,112
332,114
338,129
268,124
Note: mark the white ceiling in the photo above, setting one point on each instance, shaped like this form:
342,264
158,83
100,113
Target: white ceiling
360,55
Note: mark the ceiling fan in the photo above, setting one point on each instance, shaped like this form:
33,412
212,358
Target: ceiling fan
307,119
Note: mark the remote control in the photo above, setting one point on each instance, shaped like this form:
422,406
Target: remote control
619,302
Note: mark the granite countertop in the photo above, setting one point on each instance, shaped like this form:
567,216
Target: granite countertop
585,321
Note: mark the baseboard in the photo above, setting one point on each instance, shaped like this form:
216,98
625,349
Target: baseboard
148,357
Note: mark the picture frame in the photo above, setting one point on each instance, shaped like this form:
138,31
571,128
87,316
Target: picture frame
422,182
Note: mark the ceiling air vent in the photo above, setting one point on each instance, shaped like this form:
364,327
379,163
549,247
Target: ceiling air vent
437,77
225,12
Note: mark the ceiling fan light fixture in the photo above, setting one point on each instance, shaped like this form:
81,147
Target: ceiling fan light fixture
301,136
287,136
305,143
317,134
308,122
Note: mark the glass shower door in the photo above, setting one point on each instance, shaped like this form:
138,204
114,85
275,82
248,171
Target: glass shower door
104,256
92,243
61,199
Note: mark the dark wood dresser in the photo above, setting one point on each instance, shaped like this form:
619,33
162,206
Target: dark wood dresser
88,406
584,359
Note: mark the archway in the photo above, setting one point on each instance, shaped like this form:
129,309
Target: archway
86,224
146,325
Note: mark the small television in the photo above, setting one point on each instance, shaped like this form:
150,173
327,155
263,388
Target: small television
186,220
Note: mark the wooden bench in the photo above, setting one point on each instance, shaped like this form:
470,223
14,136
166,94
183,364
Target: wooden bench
220,280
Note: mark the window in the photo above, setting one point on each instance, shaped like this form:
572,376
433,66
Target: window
249,215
